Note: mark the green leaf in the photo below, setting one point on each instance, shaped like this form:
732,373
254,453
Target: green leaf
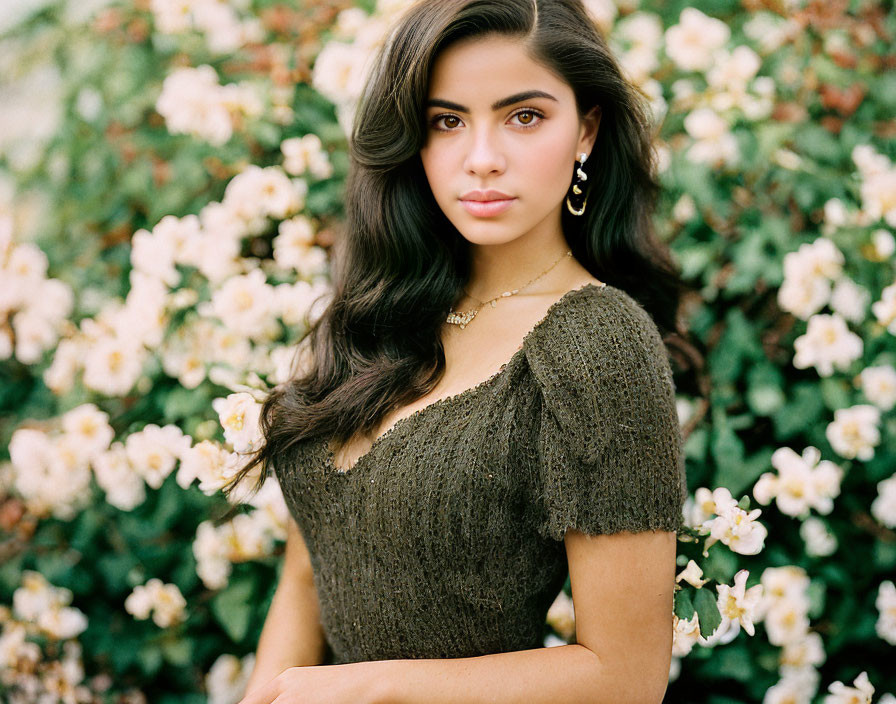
736,662
684,606
183,403
707,612
720,564
884,555
816,592
233,608
804,410
150,658
178,652
739,477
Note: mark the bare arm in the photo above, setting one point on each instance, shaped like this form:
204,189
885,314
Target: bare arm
292,635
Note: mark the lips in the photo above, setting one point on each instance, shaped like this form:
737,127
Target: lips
485,196
487,208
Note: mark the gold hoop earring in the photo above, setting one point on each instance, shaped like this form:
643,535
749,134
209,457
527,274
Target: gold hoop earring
581,178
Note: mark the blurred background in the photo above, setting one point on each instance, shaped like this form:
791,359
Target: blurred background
170,188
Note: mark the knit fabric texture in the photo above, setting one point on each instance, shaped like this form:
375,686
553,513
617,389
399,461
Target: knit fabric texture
445,539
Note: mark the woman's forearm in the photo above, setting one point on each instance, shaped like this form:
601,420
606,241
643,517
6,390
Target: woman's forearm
570,673
291,635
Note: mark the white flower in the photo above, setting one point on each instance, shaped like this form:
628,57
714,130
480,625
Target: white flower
239,415
850,300
737,529
561,616
878,192
164,601
244,538
169,607
820,542
713,142
205,461
886,606
258,193
89,426
796,686
272,513
733,70
41,603
807,652
154,256
36,595
50,473
827,344
210,551
16,653
770,31
63,622
124,487
854,432
692,42
179,237
885,309
154,451
803,293
294,248
692,574
59,377
340,71
305,153
818,258
171,16
883,508
244,303
685,634
787,582
228,677
700,508
859,694
802,482
786,621
113,365
738,604
191,103
879,385
884,244
807,275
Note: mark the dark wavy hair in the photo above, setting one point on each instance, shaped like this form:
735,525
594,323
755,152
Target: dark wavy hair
401,264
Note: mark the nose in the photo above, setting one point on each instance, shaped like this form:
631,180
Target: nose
485,154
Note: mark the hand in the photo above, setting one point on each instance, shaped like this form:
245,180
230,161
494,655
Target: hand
350,683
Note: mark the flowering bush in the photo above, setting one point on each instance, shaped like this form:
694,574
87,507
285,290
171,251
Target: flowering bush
164,227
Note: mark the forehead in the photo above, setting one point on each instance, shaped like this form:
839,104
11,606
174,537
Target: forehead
489,67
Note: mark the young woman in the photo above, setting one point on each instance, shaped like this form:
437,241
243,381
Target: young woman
490,408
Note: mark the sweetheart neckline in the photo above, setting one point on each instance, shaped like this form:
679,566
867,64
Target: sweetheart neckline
329,455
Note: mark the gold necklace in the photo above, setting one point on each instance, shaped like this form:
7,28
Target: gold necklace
463,319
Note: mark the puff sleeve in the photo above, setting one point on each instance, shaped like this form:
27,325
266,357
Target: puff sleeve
609,439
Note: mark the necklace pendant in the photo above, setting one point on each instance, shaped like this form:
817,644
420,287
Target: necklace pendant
462,319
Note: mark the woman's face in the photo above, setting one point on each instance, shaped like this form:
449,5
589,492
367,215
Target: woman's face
483,133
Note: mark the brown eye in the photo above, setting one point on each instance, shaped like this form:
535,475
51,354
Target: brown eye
530,123
447,118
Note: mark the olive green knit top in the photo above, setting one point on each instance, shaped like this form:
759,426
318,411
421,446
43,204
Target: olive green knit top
445,539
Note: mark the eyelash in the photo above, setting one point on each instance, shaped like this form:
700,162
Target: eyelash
523,111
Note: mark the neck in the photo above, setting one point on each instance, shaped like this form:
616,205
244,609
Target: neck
495,269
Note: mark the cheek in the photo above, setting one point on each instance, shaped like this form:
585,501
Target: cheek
548,166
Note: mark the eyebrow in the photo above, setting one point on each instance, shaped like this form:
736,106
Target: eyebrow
497,105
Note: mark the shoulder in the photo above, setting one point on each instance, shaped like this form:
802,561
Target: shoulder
596,331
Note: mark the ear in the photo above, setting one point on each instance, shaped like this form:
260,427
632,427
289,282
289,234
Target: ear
588,132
